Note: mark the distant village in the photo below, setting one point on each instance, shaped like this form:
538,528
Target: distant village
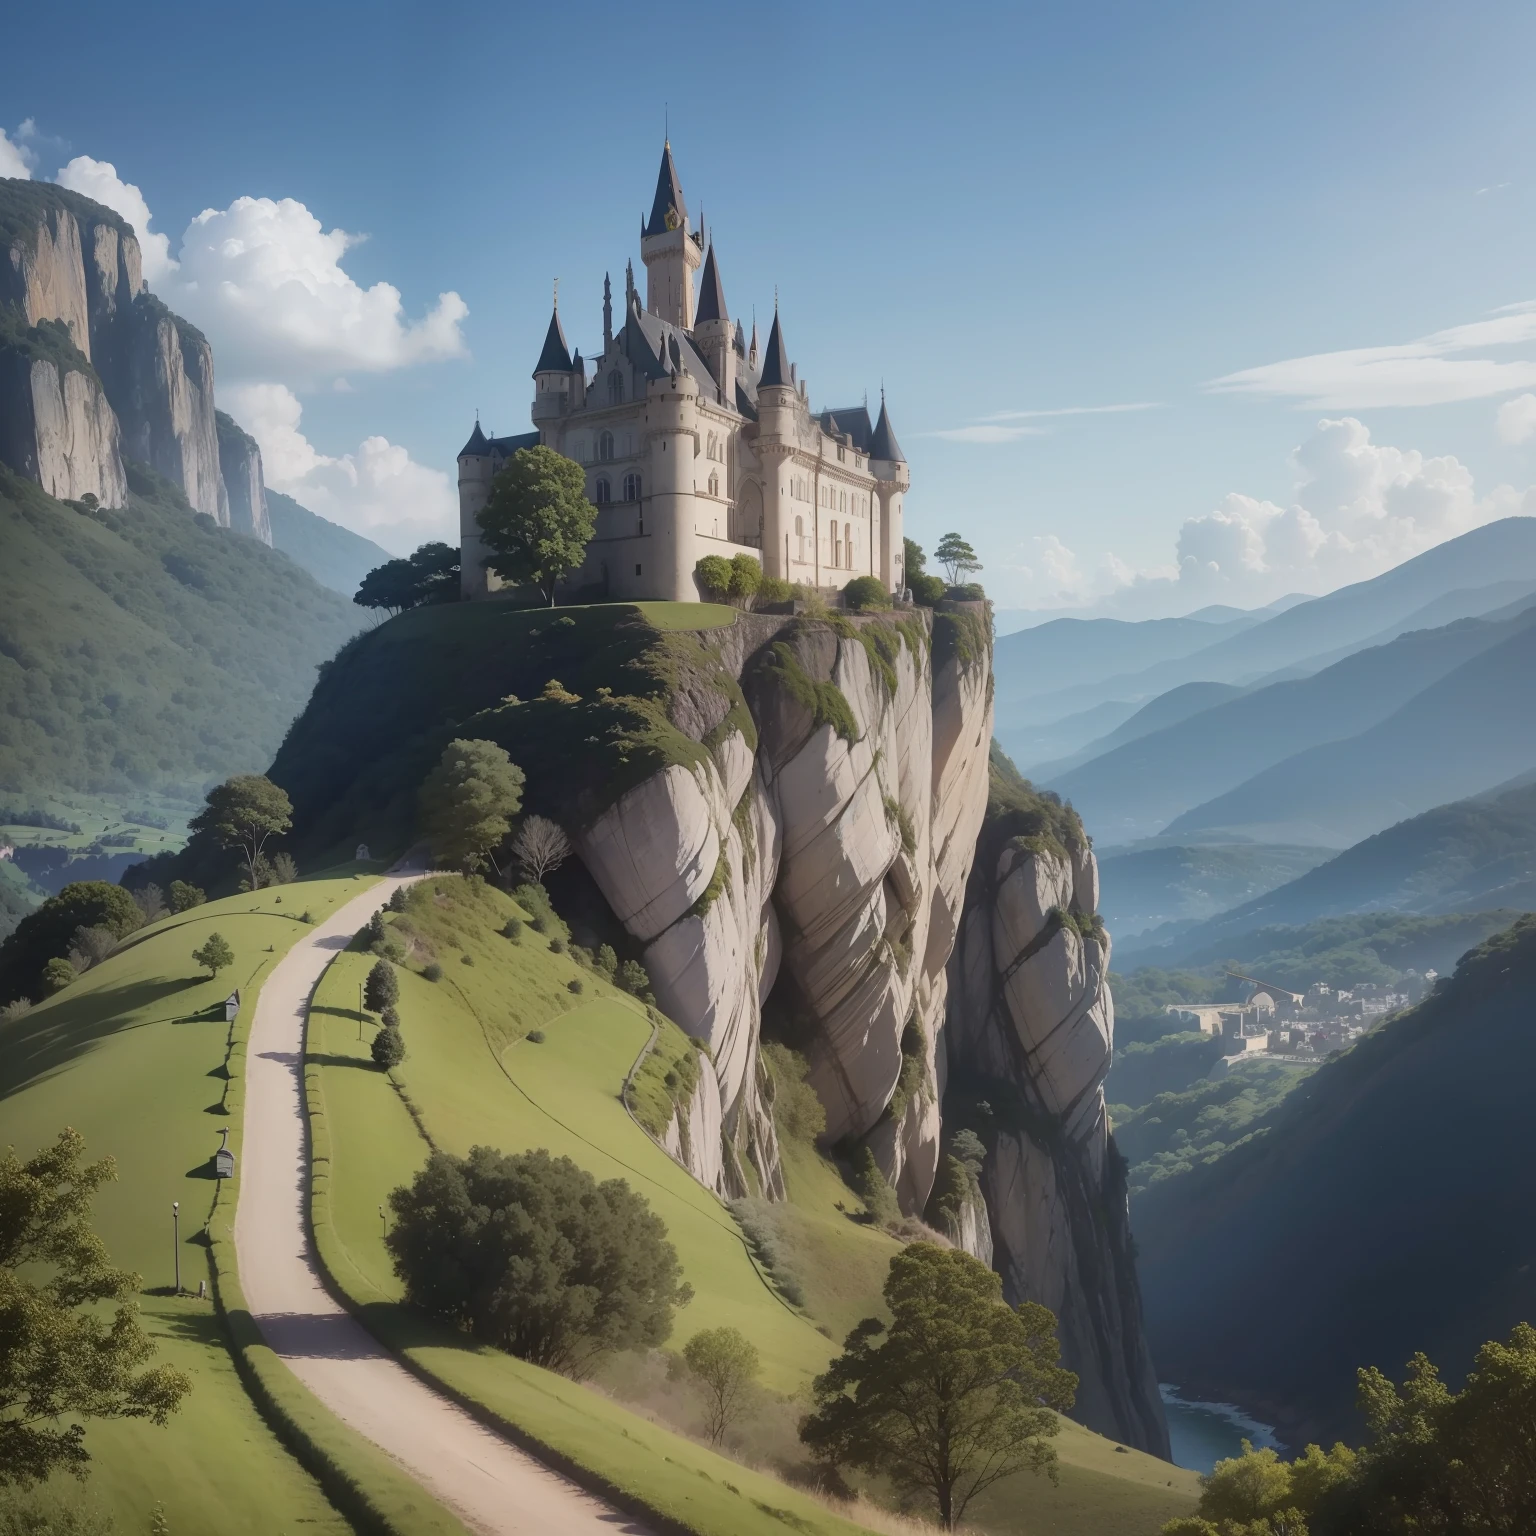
1300,1026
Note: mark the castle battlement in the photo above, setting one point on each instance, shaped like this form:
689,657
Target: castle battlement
696,443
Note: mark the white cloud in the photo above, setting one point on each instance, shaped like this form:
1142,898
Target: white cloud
1517,419
1423,372
985,432
15,159
378,490
1357,508
99,179
991,429
1079,410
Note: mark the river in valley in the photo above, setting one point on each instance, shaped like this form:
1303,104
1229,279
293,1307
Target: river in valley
1201,1434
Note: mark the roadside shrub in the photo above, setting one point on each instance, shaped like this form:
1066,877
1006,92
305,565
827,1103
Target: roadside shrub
866,592
535,1036
432,972
382,988
390,1018
57,974
557,946
531,1254
388,1048
466,959
513,929
397,899
927,590
772,590
574,985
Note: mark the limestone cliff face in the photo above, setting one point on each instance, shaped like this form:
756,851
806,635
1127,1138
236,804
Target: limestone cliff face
72,291
245,490
1031,1025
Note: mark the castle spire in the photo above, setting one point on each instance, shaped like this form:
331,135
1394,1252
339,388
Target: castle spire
711,292
556,356
607,312
668,211
776,358
883,444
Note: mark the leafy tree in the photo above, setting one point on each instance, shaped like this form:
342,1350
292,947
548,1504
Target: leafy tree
382,989
957,1393
214,954
38,1513
957,557
865,592
746,578
633,977
91,946
914,561
541,847
57,975
713,574
150,900
607,961
63,1358
397,899
48,933
530,1253
724,1363
735,580
243,812
431,575
873,1188
388,1048
537,520
798,1113
184,897
284,870
468,802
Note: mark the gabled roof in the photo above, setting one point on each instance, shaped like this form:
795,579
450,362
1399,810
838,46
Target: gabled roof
669,196
647,341
776,359
477,447
507,446
711,292
556,356
883,444
849,421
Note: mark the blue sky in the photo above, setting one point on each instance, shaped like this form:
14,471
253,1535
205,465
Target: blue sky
1016,217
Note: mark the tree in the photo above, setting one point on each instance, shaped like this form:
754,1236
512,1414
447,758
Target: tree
866,592
735,580
284,870
48,933
914,561
243,812
468,802
150,900
957,557
184,897
63,1357
388,1048
541,847
958,1391
90,947
537,521
633,978
531,1254
925,589
57,975
214,954
724,1362
431,575
382,989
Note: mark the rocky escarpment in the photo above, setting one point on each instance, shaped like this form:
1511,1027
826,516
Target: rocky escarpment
72,298
244,489
1030,1031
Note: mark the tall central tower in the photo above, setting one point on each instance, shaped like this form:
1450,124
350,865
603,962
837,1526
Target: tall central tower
670,249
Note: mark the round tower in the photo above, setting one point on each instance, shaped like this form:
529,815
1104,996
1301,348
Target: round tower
670,249
671,430
777,403
892,478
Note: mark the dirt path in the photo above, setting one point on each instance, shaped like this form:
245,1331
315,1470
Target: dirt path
490,1484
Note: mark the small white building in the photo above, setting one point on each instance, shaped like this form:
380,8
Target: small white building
695,442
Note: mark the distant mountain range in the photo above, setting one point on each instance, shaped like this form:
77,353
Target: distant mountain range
335,556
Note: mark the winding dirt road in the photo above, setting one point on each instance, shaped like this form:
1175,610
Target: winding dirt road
490,1484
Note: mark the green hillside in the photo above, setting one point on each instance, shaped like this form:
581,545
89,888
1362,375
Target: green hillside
335,556
137,1057
1383,1209
147,649
474,1075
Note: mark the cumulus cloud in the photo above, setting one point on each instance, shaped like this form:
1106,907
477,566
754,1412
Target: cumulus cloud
1428,371
1517,419
98,179
14,157
1357,508
378,490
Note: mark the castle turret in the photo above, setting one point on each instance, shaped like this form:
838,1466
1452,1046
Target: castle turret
475,473
670,249
782,546
552,374
892,478
713,333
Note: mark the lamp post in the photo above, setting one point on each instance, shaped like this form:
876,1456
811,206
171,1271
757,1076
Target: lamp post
385,1220
176,1240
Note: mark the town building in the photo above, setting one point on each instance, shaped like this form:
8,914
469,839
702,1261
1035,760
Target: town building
696,441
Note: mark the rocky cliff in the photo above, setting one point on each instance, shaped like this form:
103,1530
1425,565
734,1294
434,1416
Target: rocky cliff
72,273
244,489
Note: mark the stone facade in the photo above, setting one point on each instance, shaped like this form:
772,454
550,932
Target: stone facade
697,442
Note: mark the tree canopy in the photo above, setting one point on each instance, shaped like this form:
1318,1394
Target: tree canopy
925,589
243,812
468,801
64,1358
957,557
724,1362
431,575
531,1254
214,954
49,932
957,1392
537,521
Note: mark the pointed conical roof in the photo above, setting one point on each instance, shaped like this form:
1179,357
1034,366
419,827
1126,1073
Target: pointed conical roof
669,197
478,446
556,356
883,444
711,292
776,359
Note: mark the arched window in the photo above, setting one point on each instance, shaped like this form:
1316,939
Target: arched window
631,487
714,484
605,446
604,492
615,388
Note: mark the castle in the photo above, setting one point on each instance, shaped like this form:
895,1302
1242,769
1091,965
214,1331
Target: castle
696,443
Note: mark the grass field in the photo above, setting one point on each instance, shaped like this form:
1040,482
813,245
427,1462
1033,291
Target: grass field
133,1056
472,1077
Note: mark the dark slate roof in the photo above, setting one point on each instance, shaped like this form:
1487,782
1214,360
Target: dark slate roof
556,356
776,359
850,421
711,292
669,195
746,399
507,446
477,447
884,445
648,342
